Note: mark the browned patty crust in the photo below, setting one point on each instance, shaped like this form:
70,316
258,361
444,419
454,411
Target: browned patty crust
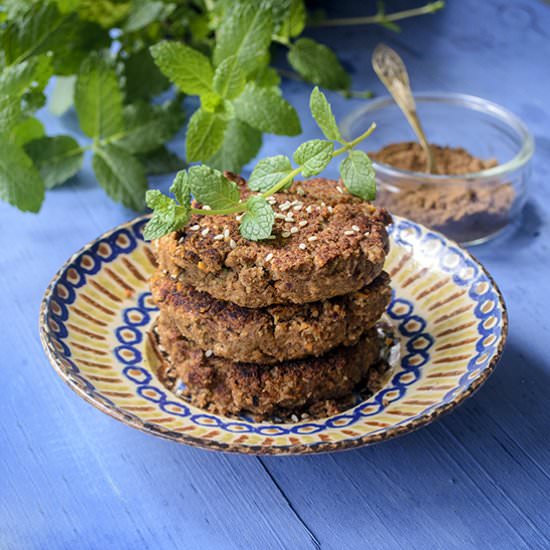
325,243
226,387
272,334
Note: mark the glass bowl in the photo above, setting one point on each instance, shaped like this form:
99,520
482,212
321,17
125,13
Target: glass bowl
470,208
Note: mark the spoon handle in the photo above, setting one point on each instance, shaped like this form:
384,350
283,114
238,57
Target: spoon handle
391,70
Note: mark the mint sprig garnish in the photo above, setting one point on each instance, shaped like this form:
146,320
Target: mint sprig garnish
220,196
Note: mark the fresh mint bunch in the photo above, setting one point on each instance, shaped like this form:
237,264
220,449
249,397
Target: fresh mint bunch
220,196
112,58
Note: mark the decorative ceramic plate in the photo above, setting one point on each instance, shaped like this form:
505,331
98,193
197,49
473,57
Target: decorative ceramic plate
448,314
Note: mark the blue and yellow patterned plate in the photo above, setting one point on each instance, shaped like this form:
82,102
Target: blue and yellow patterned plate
447,312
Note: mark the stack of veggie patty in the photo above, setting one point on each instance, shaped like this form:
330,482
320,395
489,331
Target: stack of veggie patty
276,326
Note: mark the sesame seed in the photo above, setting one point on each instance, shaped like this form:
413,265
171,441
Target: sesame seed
269,257
294,229
300,191
289,219
285,234
205,231
323,204
294,418
271,200
312,238
218,237
208,353
303,223
226,233
339,189
330,209
239,217
309,209
302,246
355,228
349,232
181,239
298,207
279,216
206,207
195,227
366,233
284,206
232,244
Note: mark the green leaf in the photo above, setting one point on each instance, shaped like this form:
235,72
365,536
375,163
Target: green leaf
187,68
265,110
257,223
57,158
266,77
204,135
41,29
20,182
145,12
160,161
147,127
314,156
245,34
98,98
121,175
318,64
62,96
229,79
322,113
268,172
181,188
105,12
241,143
143,78
295,19
211,188
26,130
358,175
167,215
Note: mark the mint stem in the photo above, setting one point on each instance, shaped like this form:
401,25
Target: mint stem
379,18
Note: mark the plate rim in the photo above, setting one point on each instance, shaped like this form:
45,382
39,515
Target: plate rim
286,450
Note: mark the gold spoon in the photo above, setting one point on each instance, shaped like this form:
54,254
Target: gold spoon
391,70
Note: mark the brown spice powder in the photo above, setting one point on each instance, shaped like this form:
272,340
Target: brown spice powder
460,210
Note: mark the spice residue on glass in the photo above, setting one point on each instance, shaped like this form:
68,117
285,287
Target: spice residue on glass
456,207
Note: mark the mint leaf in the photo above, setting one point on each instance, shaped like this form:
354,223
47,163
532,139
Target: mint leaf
20,182
105,12
143,78
294,19
229,79
265,110
322,113
318,64
257,223
187,68
211,188
181,188
145,12
41,29
314,156
57,158
268,172
26,130
62,96
266,77
245,34
167,215
204,135
148,127
358,175
98,98
241,144
160,161
121,175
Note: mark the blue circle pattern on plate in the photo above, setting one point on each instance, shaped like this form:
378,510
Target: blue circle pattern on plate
410,325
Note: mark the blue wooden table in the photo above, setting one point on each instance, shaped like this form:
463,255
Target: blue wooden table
71,477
